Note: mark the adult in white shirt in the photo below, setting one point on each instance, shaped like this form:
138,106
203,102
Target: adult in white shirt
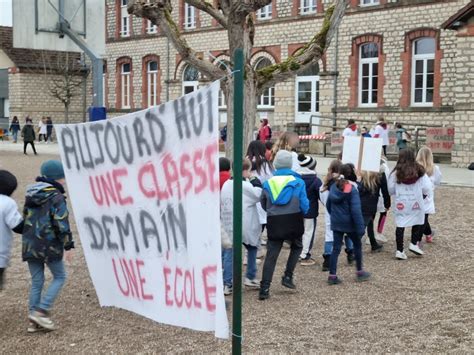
350,130
42,129
381,131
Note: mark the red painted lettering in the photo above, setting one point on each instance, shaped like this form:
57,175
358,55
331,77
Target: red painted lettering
199,172
166,273
171,174
108,188
184,171
147,169
209,289
188,288
145,296
197,304
124,292
210,153
179,301
98,197
117,174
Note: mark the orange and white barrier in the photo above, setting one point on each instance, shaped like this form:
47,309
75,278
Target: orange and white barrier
318,137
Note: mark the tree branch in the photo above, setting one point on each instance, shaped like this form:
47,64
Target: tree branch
159,13
251,6
309,54
210,10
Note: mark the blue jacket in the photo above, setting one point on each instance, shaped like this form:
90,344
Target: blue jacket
313,183
345,210
284,198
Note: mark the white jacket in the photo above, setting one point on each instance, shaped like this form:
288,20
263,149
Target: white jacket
386,170
251,227
435,181
408,205
323,197
266,173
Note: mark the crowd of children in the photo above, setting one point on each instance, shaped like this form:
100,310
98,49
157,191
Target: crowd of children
281,193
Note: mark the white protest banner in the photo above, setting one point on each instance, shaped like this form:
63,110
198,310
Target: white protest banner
364,153
144,189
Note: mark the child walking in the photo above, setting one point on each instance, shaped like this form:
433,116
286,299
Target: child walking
252,191
346,218
288,141
425,159
381,209
370,187
284,198
46,235
313,184
408,183
10,220
226,240
331,176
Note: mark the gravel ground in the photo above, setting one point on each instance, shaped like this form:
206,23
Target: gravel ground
421,305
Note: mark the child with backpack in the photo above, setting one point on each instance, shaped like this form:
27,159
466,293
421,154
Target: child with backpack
284,198
408,183
346,218
313,184
370,187
10,220
330,178
425,159
46,235
252,191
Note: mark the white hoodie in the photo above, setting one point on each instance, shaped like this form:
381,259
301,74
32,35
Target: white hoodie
435,181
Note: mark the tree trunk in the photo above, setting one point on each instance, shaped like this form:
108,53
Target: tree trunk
66,114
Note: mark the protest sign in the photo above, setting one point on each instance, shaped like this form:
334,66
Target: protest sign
144,189
440,139
364,153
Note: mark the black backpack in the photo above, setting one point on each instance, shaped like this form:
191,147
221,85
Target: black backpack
471,166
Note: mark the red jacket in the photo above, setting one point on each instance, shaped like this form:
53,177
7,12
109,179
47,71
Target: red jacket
223,177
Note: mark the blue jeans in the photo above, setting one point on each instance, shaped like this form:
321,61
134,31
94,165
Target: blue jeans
45,302
15,136
348,242
328,248
227,266
251,261
336,250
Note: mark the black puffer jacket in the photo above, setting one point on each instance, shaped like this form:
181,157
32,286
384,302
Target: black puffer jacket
369,199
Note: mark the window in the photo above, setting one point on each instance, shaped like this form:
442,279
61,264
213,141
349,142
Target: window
190,79
124,19
369,2
125,85
267,99
368,74
265,13
307,7
307,93
423,72
152,80
189,16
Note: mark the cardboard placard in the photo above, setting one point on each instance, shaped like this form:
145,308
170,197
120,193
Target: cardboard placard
440,139
364,153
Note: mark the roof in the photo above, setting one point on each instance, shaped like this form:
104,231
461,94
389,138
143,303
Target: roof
34,58
462,15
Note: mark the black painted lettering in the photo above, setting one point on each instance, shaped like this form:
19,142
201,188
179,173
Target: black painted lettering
149,229
181,119
124,230
97,240
157,131
138,131
69,147
109,135
96,129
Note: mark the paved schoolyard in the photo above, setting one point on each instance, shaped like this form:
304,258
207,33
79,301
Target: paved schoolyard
420,305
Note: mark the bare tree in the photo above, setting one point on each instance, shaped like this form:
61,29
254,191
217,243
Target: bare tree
237,17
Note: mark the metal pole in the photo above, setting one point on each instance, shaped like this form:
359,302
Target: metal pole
237,218
336,73
167,69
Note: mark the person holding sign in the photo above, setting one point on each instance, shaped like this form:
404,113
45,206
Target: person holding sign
46,234
346,218
408,183
284,198
350,130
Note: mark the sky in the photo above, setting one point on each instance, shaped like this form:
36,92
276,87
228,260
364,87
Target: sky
5,12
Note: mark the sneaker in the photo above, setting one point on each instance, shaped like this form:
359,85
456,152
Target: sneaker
381,238
400,255
227,290
307,262
362,276
264,294
251,283
288,282
259,261
334,280
325,266
350,258
367,241
34,328
415,249
378,248
429,238
42,320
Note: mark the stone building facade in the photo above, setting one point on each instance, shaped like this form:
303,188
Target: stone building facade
391,58
30,76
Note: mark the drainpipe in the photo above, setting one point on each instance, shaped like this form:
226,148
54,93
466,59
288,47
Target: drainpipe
167,69
336,74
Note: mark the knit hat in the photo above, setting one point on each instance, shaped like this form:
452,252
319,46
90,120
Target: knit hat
283,160
52,169
8,183
307,162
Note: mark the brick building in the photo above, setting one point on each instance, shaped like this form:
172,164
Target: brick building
26,78
392,58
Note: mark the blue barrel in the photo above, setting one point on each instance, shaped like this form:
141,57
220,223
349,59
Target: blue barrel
97,113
